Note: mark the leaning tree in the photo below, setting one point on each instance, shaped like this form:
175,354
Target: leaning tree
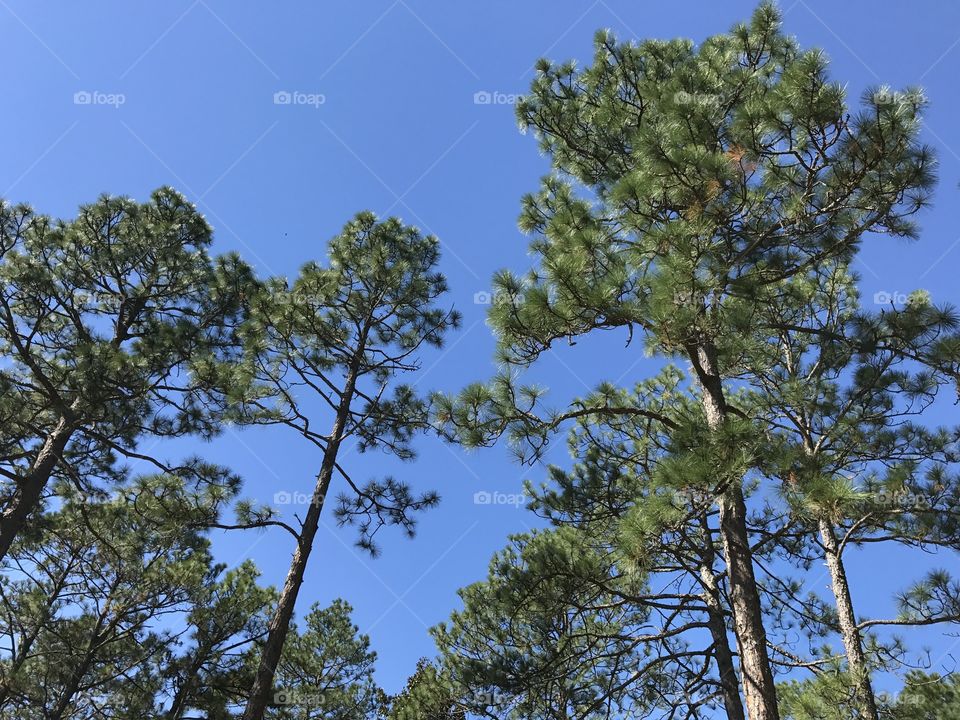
336,344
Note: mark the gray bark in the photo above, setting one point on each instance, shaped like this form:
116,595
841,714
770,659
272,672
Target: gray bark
262,689
852,641
759,689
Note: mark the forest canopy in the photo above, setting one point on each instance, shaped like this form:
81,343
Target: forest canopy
698,552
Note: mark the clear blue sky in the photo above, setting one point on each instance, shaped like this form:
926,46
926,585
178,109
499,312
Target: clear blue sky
182,93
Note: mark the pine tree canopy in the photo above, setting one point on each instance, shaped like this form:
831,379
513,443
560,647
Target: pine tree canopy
117,326
758,513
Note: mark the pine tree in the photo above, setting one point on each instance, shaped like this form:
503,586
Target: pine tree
90,601
689,183
827,697
633,558
554,632
327,670
115,326
340,337
830,695
928,697
227,614
843,396
428,695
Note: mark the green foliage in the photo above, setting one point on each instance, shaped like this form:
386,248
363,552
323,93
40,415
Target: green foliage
327,670
116,326
340,338
337,341
428,695
540,637
712,197
828,696
228,612
715,171
566,625
88,603
928,697
695,190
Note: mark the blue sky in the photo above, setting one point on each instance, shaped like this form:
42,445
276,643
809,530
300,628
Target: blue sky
383,114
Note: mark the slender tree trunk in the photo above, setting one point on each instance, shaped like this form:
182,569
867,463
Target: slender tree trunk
758,684
73,684
852,641
30,488
729,683
759,689
262,688
182,697
68,692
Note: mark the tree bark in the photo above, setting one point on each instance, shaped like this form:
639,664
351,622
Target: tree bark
30,488
186,690
759,689
72,685
852,641
279,626
729,683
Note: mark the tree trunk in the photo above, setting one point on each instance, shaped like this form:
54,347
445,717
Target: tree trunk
73,683
758,685
729,683
185,692
30,488
262,688
852,641
759,689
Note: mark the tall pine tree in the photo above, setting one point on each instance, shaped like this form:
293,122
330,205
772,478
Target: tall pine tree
336,342
689,183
